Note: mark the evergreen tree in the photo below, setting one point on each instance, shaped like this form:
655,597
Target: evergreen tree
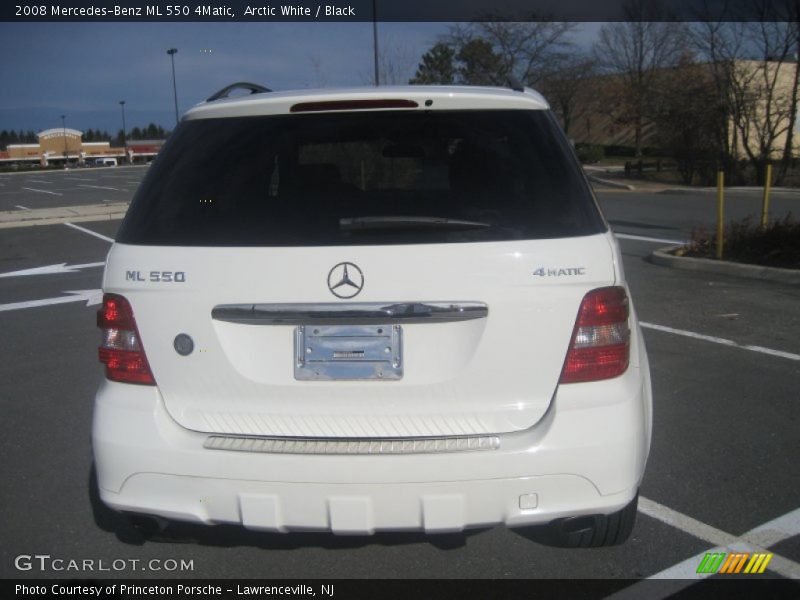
437,66
479,64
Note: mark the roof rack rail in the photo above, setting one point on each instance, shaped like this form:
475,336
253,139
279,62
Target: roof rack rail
239,85
515,84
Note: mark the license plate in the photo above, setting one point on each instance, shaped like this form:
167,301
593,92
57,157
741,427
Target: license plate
348,352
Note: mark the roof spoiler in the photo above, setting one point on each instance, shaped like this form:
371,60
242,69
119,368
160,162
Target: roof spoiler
239,85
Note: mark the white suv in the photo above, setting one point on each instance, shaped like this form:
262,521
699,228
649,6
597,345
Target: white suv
393,308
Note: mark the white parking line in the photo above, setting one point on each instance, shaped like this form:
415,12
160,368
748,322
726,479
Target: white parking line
19,206
627,236
99,187
43,191
723,341
685,572
91,297
90,232
80,179
38,181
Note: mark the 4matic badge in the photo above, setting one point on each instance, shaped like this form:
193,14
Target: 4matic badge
559,271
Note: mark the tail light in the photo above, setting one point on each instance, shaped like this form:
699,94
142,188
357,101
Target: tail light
600,345
121,350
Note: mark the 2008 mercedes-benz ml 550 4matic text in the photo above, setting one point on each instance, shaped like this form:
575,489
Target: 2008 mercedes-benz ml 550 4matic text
391,308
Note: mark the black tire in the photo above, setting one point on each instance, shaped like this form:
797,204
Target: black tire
590,531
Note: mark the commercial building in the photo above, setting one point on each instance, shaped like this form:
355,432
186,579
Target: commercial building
62,145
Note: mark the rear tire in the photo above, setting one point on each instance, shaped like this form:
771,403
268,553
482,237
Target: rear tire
594,531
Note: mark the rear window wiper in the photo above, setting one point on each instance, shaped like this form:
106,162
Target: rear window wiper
405,222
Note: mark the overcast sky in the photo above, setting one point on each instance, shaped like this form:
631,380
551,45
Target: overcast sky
83,70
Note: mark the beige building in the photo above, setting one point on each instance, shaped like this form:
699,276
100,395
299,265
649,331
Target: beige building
599,116
56,145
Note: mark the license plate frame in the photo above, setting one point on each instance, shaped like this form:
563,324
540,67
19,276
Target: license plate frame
348,352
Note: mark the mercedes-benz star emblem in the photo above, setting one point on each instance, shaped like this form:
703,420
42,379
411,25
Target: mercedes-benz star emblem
345,280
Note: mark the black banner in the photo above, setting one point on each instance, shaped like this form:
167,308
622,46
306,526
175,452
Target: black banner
386,10
374,589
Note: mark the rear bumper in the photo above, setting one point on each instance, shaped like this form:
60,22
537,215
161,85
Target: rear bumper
586,456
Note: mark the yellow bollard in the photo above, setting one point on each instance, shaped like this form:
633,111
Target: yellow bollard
720,212
765,204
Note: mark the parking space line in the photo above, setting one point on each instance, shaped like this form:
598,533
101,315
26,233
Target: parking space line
685,523
684,573
100,187
80,179
723,341
777,530
19,206
43,191
38,181
90,232
641,238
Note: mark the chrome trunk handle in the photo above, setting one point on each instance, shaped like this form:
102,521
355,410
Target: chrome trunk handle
354,313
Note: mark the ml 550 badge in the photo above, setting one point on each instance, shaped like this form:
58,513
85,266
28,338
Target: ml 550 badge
156,276
559,271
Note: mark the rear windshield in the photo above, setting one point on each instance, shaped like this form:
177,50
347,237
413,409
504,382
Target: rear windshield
363,178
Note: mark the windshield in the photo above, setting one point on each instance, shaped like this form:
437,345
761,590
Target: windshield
391,177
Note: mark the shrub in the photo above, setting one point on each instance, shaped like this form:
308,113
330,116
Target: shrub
589,153
777,245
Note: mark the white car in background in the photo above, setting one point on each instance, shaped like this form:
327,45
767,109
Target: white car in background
394,308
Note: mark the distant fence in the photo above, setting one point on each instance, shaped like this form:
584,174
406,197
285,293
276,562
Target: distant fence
640,166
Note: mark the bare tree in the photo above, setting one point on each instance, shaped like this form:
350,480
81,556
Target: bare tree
719,42
567,84
637,50
396,63
499,49
320,79
685,115
751,62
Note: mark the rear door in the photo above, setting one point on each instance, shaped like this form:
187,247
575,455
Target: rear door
361,274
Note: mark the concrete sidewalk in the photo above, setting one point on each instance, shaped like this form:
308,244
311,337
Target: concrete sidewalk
63,214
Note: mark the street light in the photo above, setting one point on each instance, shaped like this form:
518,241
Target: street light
64,131
124,144
172,52
375,42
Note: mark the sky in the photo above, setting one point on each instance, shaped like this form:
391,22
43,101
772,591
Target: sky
82,70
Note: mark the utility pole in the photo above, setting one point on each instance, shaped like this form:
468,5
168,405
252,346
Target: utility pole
375,41
64,132
124,139
172,52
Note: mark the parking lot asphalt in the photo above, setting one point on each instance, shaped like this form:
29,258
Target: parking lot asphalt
723,461
73,187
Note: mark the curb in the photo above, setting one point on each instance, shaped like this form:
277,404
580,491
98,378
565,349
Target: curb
614,184
79,170
713,190
663,258
65,214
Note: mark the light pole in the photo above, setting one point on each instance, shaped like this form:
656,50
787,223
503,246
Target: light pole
64,132
375,41
124,144
172,52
